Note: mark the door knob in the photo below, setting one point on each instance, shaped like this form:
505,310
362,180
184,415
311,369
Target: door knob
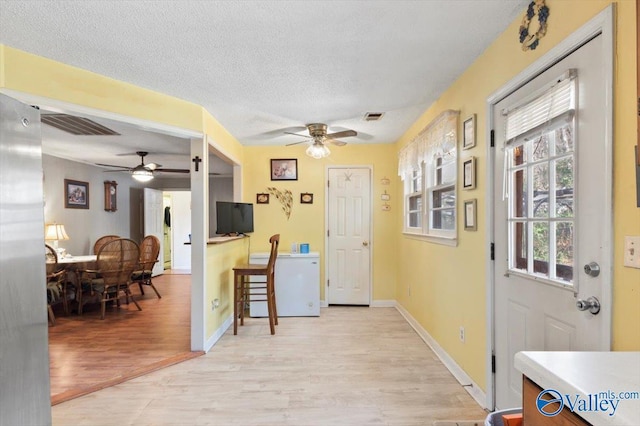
592,269
365,243
592,304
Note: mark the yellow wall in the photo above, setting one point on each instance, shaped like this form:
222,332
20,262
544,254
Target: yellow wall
448,284
307,221
221,258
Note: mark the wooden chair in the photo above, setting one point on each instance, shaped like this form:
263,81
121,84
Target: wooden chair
246,290
149,251
102,241
116,261
55,282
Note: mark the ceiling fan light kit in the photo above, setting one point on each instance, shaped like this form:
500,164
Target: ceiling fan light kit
318,133
318,150
142,174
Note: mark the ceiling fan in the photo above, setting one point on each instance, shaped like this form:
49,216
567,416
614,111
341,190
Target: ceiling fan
143,172
319,137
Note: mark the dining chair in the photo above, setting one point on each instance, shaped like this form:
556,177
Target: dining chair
102,241
247,289
55,283
149,251
116,261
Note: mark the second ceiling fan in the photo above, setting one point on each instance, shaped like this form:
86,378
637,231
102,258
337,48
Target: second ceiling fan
143,172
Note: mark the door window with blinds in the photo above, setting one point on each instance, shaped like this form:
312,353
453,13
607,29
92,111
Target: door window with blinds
540,181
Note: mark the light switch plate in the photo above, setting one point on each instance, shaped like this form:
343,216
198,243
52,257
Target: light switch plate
632,252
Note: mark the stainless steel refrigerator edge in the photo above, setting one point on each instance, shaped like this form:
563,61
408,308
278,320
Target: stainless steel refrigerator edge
24,352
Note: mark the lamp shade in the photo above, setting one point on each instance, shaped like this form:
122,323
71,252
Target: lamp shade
55,231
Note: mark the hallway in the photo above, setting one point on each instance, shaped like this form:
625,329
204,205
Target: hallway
350,366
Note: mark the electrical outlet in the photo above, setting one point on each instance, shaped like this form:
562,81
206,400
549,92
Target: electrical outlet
462,334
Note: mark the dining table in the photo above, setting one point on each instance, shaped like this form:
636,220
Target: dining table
74,266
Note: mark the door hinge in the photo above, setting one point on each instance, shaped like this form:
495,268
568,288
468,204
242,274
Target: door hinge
493,251
327,232
328,182
493,138
493,363
328,283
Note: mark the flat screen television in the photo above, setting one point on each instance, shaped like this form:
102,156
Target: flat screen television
233,218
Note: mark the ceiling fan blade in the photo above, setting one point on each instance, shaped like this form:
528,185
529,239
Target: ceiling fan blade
119,170
112,165
172,170
299,135
335,142
342,134
296,143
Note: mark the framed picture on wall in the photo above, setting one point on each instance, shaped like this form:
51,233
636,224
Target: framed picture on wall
469,132
284,169
76,194
469,173
470,215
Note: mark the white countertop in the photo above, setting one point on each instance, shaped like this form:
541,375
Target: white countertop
589,373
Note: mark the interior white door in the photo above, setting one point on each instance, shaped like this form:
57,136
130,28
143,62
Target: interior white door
349,239
153,223
548,226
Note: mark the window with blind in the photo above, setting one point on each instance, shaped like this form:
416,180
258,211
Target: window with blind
428,167
540,181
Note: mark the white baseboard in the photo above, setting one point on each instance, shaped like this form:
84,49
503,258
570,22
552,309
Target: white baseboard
374,304
383,304
469,385
218,334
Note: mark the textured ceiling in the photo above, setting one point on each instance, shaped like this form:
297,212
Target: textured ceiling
264,67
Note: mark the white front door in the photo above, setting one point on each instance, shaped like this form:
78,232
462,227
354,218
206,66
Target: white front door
349,247
153,223
551,199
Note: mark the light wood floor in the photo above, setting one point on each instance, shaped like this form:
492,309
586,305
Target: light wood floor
350,366
87,353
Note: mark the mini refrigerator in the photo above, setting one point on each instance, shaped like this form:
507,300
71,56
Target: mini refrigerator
297,281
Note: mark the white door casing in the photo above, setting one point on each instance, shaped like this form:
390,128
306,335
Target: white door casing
153,223
349,236
530,312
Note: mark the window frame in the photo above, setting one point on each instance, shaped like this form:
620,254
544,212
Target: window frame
429,184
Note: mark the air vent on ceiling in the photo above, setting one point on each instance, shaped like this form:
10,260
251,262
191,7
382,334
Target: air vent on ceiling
76,125
373,116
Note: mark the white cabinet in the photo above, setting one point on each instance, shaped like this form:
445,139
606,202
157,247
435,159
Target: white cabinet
297,282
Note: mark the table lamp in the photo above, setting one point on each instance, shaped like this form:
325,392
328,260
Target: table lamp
55,232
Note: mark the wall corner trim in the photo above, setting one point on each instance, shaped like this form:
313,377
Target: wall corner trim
463,378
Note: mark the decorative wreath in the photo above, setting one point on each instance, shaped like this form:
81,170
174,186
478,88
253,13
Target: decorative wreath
536,8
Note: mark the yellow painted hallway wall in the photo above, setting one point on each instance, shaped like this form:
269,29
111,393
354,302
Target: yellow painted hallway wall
448,284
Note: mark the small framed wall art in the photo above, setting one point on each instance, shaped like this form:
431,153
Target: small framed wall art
469,173
469,132
76,194
306,198
262,198
284,169
470,215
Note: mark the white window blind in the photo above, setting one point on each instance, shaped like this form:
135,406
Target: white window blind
553,107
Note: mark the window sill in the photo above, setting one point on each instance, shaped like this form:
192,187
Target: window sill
445,241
